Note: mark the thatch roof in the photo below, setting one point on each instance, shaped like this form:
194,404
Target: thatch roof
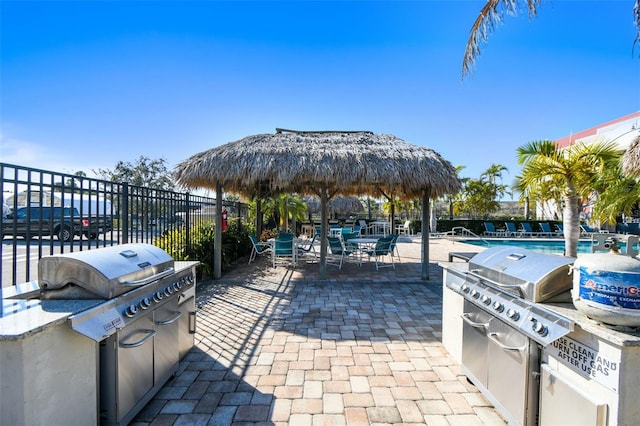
345,162
337,204
324,163
631,158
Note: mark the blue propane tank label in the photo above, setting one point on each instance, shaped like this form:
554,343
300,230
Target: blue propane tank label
618,289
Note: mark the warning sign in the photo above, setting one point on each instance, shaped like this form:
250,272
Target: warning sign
588,362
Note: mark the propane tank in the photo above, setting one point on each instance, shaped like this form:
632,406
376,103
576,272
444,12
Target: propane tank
606,286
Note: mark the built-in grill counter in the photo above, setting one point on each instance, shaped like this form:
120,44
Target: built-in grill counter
67,339
581,372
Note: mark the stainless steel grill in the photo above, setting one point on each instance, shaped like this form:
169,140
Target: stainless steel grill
145,324
504,325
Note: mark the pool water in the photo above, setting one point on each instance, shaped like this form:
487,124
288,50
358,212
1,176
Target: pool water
548,247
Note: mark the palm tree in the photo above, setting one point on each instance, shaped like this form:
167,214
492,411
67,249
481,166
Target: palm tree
574,169
492,13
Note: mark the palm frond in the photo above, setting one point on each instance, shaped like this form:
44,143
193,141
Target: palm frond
491,14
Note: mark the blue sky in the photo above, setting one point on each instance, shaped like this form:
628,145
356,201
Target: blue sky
85,84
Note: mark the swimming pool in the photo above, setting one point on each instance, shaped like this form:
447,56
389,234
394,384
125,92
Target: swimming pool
547,246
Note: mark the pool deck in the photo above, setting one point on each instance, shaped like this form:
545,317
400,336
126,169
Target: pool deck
279,346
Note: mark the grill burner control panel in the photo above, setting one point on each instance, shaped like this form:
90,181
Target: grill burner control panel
531,319
105,319
155,296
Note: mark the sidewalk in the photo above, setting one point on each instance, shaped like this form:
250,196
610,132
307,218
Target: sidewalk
279,346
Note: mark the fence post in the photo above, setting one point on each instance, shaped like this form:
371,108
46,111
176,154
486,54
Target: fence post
124,215
187,222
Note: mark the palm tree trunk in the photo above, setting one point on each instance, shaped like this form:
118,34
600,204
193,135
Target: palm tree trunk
571,222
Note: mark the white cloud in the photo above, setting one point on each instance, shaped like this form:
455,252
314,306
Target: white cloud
39,156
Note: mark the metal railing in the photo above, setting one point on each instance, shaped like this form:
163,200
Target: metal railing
461,231
130,214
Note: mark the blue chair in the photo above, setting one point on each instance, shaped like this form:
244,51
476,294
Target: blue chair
309,248
337,252
383,248
283,249
394,246
511,229
546,230
527,231
258,248
346,236
490,230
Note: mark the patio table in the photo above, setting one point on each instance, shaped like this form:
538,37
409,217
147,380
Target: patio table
380,228
363,245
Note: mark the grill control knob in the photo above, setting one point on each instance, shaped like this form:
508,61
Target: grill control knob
486,300
131,310
465,288
512,314
158,296
475,293
177,285
539,327
498,307
168,291
145,303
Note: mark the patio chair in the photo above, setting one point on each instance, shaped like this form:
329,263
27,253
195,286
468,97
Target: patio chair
490,230
363,226
405,228
383,248
258,248
394,246
560,229
346,236
337,252
283,251
309,248
527,230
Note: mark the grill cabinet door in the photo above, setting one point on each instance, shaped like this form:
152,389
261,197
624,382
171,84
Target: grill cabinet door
475,343
511,381
166,319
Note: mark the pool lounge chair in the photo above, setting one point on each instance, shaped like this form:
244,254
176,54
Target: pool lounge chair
587,231
547,232
527,230
512,231
490,230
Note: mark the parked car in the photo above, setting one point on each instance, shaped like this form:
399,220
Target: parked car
63,222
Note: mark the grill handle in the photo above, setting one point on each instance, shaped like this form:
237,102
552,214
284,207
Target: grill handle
147,280
467,318
174,318
474,274
150,334
494,337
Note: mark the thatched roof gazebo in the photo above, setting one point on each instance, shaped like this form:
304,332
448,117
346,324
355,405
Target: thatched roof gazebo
631,159
322,163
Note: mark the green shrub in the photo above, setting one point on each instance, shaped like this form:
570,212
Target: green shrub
235,244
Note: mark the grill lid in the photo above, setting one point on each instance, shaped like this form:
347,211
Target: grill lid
102,273
527,274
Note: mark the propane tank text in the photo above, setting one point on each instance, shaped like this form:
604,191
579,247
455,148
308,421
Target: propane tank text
586,361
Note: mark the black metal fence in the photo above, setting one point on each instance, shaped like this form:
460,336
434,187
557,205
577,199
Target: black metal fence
46,213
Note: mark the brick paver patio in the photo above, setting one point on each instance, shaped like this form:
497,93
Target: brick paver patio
363,347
